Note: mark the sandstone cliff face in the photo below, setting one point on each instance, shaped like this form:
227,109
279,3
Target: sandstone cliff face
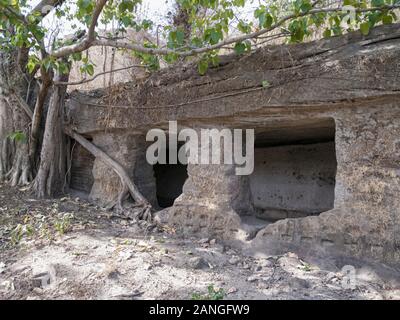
342,91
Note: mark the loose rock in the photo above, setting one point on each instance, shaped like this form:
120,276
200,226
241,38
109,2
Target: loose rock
197,263
252,278
234,260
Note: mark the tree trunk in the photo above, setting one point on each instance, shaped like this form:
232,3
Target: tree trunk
6,146
21,171
15,115
38,114
50,179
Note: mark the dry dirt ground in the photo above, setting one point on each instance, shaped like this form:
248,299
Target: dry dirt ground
69,249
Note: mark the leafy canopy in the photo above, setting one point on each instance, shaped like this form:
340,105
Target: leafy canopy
214,26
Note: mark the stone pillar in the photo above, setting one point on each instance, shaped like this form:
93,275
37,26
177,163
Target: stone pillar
129,150
212,201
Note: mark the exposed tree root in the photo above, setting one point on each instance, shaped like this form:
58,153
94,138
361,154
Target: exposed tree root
6,156
50,178
38,114
142,209
15,166
6,147
20,173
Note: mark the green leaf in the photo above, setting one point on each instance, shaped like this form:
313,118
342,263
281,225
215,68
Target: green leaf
265,84
90,69
239,3
126,21
265,19
364,28
32,63
377,3
327,33
171,58
305,6
180,37
77,56
215,36
302,6
298,30
387,19
18,136
244,27
203,66
240,48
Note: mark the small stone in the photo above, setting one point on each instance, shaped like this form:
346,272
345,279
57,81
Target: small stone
2,267
292,255
37,290
234,260
252,278
246,266
36,283
113,274
157,264
219,248
299,283
330,276
265,263
7,285
197,263
203,241
41,280
262,286
257,268
213,241
232,290
126,255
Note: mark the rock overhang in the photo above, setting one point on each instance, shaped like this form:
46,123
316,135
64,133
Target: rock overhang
280,92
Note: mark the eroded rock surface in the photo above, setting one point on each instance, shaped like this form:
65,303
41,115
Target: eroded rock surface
343,91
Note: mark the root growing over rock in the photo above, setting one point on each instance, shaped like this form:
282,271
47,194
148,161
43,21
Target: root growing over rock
142,209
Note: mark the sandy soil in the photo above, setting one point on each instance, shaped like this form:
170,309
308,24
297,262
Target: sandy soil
69,249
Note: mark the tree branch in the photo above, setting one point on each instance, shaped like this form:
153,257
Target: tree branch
43,7
89,39
23,105
46,4
97,75
139,48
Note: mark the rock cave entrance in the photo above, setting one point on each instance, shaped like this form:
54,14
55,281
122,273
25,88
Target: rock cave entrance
170,179
294,169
